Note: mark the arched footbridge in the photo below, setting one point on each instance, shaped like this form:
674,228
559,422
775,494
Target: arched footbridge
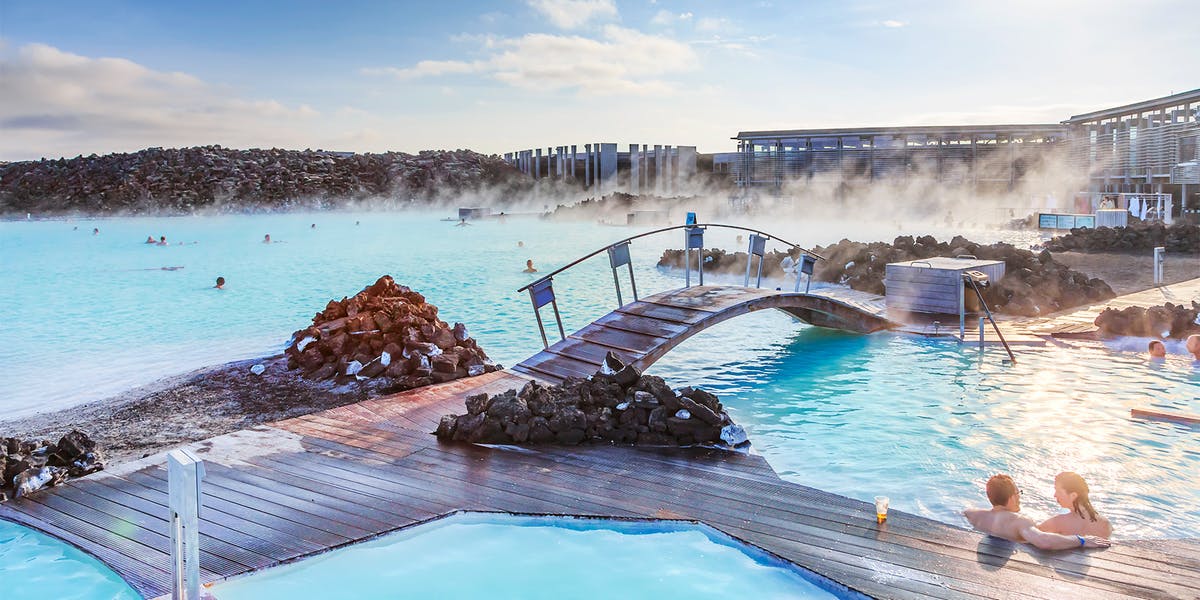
642,331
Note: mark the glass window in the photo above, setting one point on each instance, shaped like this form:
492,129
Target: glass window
825,144
884,141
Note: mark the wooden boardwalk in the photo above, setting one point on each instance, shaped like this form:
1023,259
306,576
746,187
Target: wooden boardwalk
305,485
642,332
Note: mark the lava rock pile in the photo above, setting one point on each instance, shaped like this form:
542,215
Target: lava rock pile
29,466
386,331
616,405
1141,237
1167,321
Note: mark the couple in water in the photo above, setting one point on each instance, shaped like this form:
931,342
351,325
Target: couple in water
1080,528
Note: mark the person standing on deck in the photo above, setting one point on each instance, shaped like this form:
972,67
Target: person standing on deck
1005,521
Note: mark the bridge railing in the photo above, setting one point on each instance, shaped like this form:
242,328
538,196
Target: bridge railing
541,290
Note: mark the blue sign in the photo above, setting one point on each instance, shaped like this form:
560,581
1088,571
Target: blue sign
695,237
542,293
806,264
618,254
691,219
1047,221
758,244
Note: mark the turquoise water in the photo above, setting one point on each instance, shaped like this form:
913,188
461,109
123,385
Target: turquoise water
34,566
494,556
921,421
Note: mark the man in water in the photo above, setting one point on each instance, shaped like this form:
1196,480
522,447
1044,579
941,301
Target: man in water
267,239
1193,345
220,283
529,267
162,240
150,240
461,223
1157,349
1005,521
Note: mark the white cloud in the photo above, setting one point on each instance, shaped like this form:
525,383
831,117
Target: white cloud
56,101
569,14
619,61
425,68
713,24
667,18
893,23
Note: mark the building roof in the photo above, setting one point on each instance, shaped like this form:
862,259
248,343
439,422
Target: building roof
1172,100
918,129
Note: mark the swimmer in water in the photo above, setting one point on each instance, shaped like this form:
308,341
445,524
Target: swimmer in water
96,231
1157,349
162,240
529,267
520,244
267,239
220,283
150,240
314,226
462,223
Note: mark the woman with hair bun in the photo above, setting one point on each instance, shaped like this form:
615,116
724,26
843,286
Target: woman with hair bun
1071,492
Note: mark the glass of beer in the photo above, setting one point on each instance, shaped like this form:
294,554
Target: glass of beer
881,506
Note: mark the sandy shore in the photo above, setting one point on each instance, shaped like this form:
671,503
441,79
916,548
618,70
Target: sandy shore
1129,273
224,398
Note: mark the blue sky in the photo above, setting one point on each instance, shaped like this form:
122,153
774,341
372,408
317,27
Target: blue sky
84,77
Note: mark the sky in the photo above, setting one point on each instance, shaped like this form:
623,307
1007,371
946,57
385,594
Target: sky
498,76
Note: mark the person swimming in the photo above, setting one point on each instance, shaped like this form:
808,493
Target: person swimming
520,244
220,283
1157,349
267,239
462,223
150,240
96,231
162,240
314,226
529,267
1071,492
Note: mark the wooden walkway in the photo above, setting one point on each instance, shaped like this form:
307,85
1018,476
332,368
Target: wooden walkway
305,485
642,332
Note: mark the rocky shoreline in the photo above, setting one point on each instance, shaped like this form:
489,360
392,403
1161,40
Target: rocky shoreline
1181,238
1034,284
225,180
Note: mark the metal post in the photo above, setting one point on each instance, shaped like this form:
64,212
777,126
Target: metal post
687,263
562,335
538,315
1159,258
962,312
632,283
184,473
617,284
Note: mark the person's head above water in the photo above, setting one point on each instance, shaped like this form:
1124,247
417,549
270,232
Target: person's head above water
1157,349
220,283
1002,492
267,239
1193,345
1071,491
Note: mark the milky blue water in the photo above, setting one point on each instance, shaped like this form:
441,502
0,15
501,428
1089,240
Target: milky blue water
494,556
34,566
924,422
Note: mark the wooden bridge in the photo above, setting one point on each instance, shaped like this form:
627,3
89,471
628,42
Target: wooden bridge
642,332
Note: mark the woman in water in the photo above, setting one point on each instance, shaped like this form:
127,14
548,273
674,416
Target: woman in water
1071,491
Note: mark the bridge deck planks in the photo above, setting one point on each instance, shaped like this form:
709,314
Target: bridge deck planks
645,330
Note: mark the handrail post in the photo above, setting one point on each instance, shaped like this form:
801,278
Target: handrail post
758,246
805,267
694,238
184,473
618,254
541,293
632,282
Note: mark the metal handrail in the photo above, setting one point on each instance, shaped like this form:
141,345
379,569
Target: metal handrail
648,233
